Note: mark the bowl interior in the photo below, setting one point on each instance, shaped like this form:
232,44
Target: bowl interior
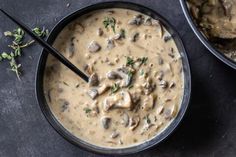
203,38
66,134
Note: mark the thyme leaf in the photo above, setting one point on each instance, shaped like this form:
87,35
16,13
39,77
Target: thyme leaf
114,88
87,110
129,61
110,21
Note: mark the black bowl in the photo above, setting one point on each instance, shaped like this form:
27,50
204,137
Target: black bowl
83,144
203,38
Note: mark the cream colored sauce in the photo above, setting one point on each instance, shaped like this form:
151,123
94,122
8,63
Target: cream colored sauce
79,116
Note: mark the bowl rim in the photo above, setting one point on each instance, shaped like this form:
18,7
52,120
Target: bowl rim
83,144
218,54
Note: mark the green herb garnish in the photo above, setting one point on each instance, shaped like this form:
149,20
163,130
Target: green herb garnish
110,22
65,83
114,88
122,33
142,60
87,110
129,61
40,32
18,35
17,45
131,86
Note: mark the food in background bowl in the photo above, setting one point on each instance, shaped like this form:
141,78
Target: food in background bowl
136,82
217,21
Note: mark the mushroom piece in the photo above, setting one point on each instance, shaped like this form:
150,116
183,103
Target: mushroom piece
88,69
136,20
134,122
99,32
148,86
64,104
125,119
120,100
93,80
93,93
117,36
114,134
94,47
163,84
110,44
148,21
169,112
134,37
120,73
79,28
106,122
103,88
94,107
149,102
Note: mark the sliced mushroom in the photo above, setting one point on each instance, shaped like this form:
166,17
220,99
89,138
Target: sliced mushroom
163,84
94,107
136,20
93,93
114,134
117,36
169,113
148,86
99,32
94,47
148,21
159,26
110,44
93,80
79,28
134,122
125,119
167,38
134,37
160,75
88,69
136,96
148,102
113,75
102,89
120,73
172,85
159,109
120,100
106,122
64,104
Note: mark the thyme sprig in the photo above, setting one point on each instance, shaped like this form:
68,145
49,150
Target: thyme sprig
131,62
17,45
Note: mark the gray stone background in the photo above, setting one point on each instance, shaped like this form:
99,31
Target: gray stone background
208,129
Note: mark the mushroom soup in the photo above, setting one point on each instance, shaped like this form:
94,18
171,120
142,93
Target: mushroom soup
136,80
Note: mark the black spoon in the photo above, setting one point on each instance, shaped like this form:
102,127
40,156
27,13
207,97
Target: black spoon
49,48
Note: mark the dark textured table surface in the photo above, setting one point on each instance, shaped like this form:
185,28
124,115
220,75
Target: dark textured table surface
208,129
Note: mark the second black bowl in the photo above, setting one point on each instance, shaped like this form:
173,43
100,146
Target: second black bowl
203,39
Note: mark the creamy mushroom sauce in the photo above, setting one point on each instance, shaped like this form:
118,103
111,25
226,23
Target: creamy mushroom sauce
136,78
